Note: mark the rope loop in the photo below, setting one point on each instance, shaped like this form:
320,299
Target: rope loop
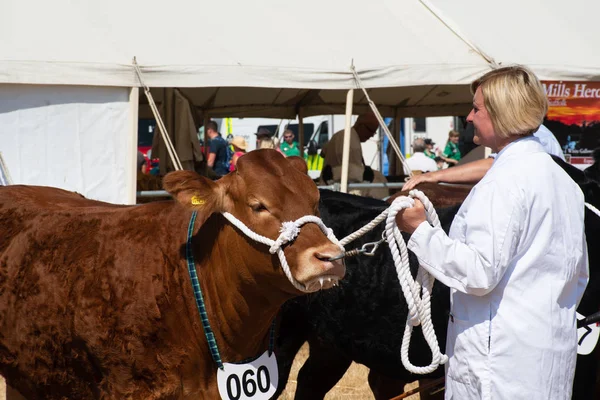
417,292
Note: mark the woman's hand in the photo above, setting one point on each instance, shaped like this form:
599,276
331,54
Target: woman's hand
415,180
410,218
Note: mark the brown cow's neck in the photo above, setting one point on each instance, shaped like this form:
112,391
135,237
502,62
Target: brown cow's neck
241,304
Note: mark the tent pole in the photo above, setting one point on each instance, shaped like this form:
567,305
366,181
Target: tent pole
131,176
398,166
205,121
159,123
392,157
300,132
346,152
408,137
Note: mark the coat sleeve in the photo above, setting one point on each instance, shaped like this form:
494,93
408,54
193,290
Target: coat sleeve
475,264
584,272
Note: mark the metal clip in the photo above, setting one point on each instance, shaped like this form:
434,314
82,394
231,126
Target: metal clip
365,248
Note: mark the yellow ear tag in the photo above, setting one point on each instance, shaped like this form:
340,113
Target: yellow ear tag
197,201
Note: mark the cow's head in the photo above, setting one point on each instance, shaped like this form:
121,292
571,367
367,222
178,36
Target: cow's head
265,191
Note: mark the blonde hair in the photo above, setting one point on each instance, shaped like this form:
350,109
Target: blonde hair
268,143
452,134
514,99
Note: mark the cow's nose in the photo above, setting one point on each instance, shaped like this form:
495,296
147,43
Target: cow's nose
331,261
335,257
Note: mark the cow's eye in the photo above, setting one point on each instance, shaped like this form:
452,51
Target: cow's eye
258,207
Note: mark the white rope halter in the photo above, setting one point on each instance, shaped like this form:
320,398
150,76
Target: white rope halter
288,232
419,304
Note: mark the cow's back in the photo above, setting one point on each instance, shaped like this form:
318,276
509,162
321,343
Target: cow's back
74,275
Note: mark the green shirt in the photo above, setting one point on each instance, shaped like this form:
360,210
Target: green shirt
452,151
429,154
290,149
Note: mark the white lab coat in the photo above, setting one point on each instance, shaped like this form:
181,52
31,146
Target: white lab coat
516,262
549,142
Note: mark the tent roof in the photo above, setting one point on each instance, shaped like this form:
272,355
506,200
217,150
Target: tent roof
272,57
285,103
556,38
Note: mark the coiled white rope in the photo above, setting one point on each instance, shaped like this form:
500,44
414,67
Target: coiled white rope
419,304
288,232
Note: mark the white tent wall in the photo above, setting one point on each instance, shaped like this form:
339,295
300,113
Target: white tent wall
78,138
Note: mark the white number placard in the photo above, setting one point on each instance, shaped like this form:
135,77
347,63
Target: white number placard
256,380
587,337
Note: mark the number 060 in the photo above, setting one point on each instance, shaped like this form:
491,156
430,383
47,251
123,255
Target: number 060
248,385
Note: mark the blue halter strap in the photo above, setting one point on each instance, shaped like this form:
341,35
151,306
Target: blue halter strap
210,336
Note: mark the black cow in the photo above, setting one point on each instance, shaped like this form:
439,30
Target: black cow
363,319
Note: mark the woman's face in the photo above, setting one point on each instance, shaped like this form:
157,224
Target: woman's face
479,117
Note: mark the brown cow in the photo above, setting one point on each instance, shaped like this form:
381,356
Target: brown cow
440,195
96,300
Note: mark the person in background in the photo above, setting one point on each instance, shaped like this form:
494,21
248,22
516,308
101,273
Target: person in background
451,153
269,143
217,155
142,165
419,161
263,133
314,161
289,147
429,152
239,149
474,171
363,129
515,258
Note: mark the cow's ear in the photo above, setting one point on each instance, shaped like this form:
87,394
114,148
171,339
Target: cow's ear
298,163
193,191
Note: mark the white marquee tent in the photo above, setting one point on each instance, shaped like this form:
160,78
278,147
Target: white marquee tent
69,101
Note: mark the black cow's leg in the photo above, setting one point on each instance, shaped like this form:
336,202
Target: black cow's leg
286,353
291,335
321,371
384,387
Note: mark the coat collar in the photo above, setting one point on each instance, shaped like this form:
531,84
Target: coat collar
526,145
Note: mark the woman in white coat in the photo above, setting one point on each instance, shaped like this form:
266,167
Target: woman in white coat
515,258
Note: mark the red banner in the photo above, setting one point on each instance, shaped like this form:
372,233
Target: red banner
574,118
